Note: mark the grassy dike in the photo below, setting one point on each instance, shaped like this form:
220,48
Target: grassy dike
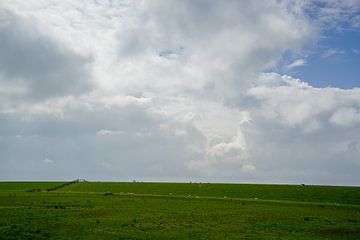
104,210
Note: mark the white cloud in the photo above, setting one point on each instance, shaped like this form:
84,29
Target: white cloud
332,52
180,132
335,14
105,132
346,117
221,153
355,22
48,161
295,103
249,168
119,100
355,51
297,63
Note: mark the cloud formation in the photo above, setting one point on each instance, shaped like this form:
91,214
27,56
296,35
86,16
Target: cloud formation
173,90
34,66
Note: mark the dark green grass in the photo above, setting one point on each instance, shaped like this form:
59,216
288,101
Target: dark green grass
92,214
308,193
26,186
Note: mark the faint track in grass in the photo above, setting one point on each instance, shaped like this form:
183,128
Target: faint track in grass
327,204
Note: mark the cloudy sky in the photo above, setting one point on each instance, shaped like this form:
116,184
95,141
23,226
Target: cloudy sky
170,90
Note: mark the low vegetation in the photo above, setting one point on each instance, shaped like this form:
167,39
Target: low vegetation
89,210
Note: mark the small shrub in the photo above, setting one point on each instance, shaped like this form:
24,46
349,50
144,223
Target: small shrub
352,220
34,190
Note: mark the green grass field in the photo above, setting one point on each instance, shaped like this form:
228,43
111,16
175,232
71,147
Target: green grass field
106,210
26,186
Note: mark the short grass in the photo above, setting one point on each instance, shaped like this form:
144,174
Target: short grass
308,193
147,211
13,187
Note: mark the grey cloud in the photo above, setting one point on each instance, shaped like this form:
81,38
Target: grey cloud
146,145
36,63
280,153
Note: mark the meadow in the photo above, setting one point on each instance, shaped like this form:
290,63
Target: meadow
119,210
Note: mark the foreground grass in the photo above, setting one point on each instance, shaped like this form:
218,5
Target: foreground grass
84,215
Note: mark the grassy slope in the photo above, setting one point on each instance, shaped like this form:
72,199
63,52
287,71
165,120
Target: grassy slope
64,215
325,194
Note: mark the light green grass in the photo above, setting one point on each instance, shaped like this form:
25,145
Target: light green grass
91,214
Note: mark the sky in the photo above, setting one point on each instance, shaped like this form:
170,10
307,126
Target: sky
169,90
